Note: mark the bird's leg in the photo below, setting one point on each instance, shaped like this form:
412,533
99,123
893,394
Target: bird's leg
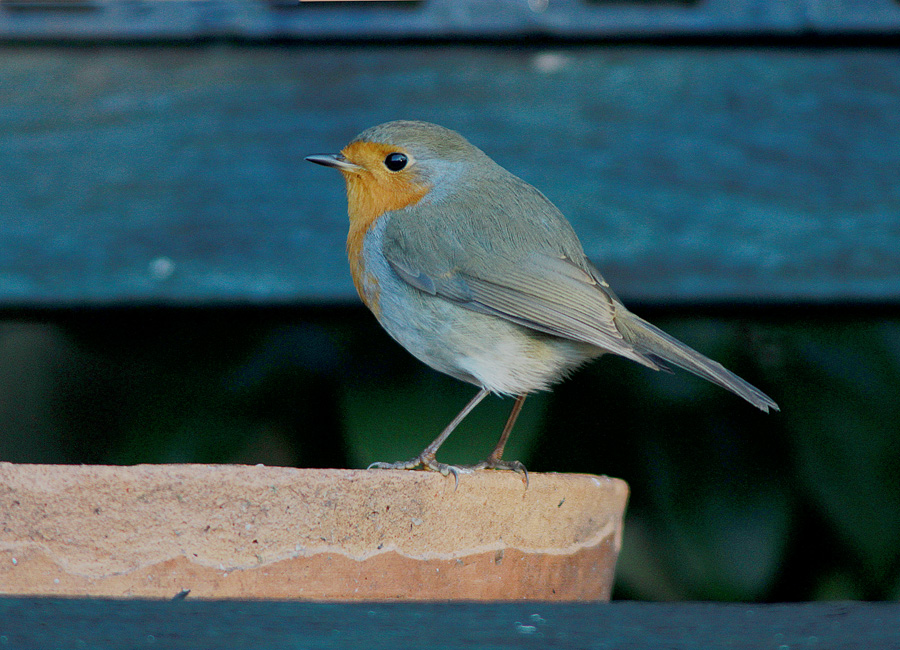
427,458
493,461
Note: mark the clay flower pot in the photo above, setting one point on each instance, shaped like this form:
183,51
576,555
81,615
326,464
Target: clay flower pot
226,531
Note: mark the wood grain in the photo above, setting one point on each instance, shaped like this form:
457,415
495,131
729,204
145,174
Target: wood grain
175,175
117,20
41,623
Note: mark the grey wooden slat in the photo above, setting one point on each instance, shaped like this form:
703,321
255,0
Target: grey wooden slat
155,175
98,624
254,19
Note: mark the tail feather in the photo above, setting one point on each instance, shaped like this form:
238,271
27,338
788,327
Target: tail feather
652,341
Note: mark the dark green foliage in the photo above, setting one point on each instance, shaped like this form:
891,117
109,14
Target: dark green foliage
727,503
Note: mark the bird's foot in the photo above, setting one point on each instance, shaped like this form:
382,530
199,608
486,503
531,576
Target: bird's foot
402,464
425,462
495,463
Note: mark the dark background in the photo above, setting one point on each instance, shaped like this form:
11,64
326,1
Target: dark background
174,288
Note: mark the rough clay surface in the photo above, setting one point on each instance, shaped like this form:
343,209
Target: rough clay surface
226,531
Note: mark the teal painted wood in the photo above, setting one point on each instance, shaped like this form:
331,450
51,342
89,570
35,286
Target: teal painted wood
97,624
562,19
175,175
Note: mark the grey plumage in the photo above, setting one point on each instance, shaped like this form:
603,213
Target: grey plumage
477,274
500,247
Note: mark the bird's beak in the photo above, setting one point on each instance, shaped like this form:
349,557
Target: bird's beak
335,160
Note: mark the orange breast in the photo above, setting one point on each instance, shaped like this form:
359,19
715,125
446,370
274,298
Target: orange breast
370,193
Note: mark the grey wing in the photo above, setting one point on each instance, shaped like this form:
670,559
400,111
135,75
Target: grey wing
545,292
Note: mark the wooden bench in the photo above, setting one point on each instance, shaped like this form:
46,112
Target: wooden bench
697,173
740,152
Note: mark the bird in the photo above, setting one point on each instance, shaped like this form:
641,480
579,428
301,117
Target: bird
478,275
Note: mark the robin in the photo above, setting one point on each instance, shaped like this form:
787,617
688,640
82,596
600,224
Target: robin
481,277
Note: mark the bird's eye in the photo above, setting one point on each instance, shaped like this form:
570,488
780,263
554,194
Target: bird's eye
396,161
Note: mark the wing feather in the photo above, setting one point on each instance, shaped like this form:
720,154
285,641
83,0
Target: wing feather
545,293
502,248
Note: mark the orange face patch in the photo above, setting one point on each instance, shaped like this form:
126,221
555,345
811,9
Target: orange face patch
372,191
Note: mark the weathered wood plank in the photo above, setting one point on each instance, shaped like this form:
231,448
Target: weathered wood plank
562,19
162,175
38,624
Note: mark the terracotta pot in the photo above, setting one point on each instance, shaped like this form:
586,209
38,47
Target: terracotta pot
226,531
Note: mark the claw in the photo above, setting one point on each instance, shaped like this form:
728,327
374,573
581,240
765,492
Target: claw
426,463
513,465
403,464
446,470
